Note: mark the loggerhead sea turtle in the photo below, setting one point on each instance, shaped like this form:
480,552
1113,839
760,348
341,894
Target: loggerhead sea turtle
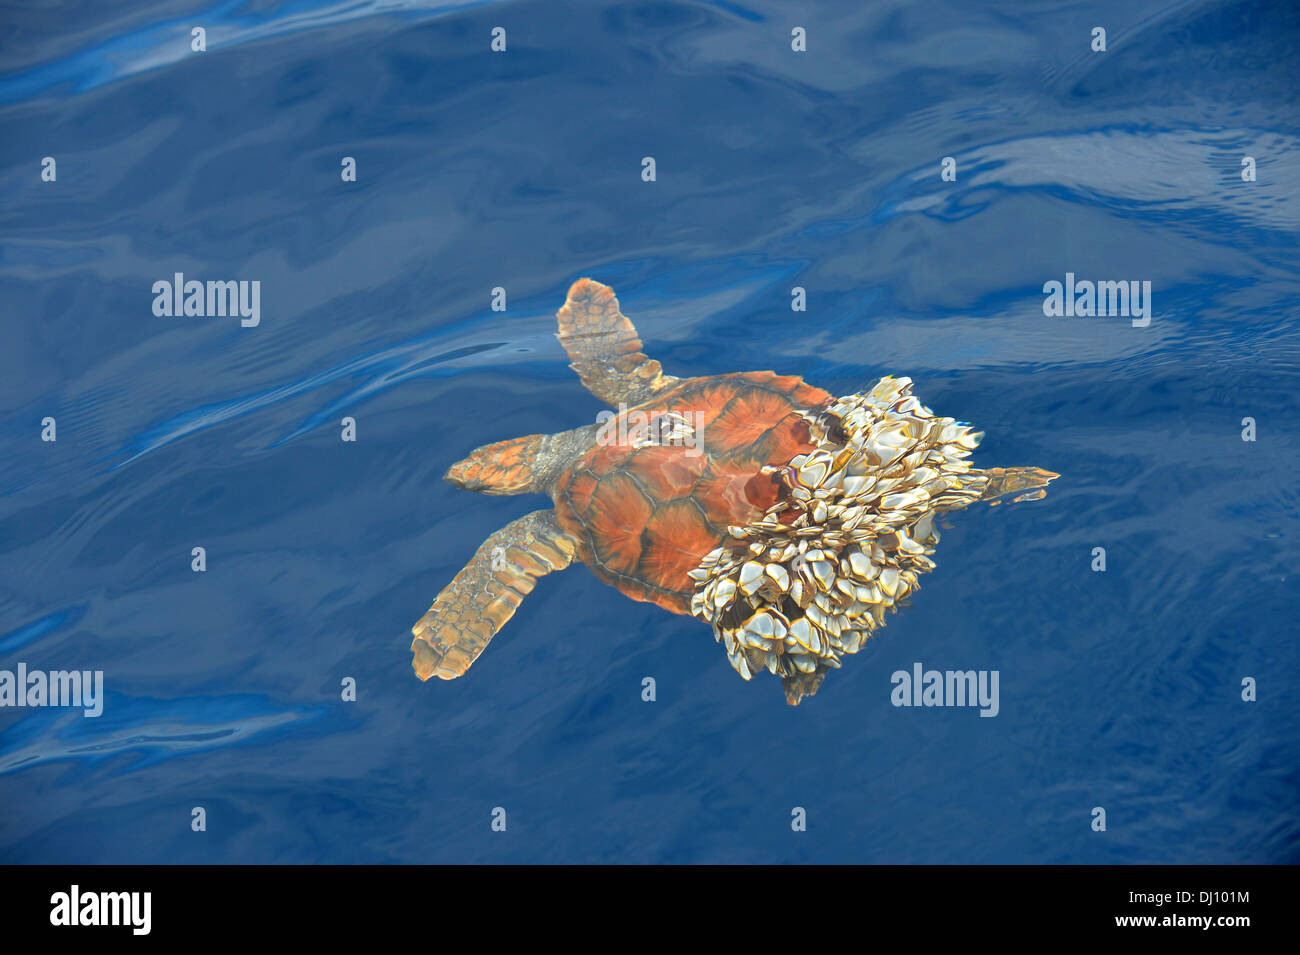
788,519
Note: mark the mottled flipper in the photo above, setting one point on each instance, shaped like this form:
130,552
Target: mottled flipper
802,684
483,596
1026,484
604,348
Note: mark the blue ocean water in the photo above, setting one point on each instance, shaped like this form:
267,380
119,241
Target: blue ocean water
522,170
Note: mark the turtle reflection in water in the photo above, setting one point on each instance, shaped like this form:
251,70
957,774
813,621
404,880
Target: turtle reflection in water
789,520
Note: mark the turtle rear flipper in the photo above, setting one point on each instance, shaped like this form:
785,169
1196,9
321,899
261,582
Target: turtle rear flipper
801,685
1014,485
604,348
483,596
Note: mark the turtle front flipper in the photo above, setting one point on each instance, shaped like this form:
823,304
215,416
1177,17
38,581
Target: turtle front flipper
483,596
604,348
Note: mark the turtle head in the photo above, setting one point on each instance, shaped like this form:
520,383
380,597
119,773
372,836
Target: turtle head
507,467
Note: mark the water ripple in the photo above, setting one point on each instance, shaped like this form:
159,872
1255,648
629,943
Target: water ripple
162,44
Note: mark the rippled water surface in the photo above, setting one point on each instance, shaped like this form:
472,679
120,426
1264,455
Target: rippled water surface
522,170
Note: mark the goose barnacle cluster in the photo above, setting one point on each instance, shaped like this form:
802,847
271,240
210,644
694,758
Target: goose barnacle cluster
850,533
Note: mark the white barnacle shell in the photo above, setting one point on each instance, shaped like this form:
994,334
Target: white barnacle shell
740,663
751,577
889,581
800,633
797,591
823,572
804,663
860,565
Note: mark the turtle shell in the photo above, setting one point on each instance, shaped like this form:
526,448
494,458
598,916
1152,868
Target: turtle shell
647,505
